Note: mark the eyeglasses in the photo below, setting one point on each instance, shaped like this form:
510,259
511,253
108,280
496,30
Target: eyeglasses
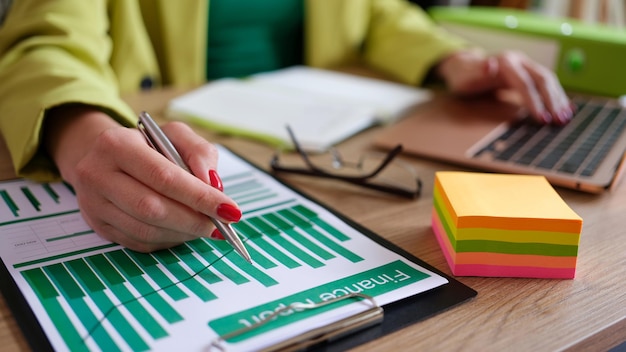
378,171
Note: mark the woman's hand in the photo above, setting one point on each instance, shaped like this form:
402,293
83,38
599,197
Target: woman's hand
471,72
131,194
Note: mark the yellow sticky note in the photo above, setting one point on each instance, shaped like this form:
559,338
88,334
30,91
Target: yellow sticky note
505,201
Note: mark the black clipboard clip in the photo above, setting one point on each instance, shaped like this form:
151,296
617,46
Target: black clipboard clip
372,316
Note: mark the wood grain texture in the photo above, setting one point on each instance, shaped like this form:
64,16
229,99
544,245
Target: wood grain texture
586,313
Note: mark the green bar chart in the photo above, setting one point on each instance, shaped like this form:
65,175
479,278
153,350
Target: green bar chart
93,294
179,273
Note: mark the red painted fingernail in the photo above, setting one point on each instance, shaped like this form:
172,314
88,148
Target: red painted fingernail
216,181
217,235
229,212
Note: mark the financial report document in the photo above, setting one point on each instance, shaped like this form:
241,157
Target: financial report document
91,294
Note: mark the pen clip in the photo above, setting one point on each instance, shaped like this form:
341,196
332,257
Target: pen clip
372,316
142,128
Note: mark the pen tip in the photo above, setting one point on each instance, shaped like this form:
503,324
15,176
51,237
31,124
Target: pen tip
244,253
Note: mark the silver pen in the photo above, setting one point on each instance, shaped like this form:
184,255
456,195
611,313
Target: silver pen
159,141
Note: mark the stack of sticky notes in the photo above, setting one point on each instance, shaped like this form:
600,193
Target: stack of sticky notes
504,225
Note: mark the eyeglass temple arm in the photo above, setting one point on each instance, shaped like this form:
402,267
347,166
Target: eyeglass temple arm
353,180
388,158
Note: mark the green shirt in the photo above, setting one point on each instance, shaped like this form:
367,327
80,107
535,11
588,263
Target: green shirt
251,36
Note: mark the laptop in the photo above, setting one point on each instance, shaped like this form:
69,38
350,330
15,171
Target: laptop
495,134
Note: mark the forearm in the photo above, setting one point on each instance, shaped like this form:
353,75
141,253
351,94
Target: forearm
405,42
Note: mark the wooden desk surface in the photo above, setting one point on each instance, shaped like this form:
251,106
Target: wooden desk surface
586,313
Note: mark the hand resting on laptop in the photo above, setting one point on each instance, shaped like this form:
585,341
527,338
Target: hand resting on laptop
472,72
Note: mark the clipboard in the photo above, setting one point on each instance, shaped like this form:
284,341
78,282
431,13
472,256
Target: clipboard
397,315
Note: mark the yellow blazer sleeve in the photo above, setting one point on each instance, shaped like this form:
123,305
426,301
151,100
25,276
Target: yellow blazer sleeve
394,36
53,53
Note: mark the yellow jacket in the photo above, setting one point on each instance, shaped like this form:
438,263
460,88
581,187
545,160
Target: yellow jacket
92,52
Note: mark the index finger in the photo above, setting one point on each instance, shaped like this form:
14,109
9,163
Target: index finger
516,77
554,97
199,155
166,178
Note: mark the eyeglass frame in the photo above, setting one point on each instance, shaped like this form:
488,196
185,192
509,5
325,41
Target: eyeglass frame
363,181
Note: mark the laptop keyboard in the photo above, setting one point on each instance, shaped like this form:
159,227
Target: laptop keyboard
577,148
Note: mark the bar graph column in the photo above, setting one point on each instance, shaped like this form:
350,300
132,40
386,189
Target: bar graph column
23,200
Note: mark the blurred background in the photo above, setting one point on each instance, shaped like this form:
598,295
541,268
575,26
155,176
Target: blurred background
605,12
582,41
